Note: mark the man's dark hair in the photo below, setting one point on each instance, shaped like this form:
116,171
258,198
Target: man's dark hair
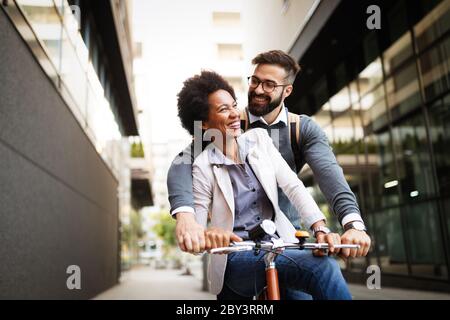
281,59
193,97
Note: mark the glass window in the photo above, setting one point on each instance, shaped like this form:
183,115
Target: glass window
427,257
373,107
354,93
389,241
434,67
381,167
413,158
403,92
445,205
370,77
340,102
398,53
344,136
46,23
323,116
370,47
320,92
358,125
433,25
439,115
397,20
73,74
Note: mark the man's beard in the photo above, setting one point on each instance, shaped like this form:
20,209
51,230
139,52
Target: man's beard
261,110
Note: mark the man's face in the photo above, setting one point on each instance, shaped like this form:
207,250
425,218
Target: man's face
260,102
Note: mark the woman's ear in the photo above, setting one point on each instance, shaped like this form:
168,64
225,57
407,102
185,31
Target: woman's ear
205,125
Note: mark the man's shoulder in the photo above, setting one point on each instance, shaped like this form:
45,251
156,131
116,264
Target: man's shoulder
308,126
304,118
202,159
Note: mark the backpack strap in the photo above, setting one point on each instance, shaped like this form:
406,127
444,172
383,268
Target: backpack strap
244,119
294,126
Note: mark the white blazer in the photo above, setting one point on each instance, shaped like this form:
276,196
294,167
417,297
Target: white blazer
214,199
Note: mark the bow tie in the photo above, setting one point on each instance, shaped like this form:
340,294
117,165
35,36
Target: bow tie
260,124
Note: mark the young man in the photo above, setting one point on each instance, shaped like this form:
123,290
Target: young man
270,84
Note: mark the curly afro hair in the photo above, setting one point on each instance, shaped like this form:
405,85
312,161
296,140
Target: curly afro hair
193,97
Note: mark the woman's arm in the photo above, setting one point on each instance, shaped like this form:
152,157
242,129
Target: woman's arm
215,237
202,191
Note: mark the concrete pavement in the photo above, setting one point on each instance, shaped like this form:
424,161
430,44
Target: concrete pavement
145,283
168,284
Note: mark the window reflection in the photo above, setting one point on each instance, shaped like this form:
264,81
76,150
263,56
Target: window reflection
390,242
435,24
440,138
72,73
413,158
398,53
370,77
354,93
403,92
374,111
382,142
89,98
383,177
344,136
435,71
46,23
323,117
426,256
340,102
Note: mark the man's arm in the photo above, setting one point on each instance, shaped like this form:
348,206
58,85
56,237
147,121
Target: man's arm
179,183
190,234
327,172
329,175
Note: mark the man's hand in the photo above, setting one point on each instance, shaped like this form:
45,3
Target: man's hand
331,239
190,234
353,236
217,237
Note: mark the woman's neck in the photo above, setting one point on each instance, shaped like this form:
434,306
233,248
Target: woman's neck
230,148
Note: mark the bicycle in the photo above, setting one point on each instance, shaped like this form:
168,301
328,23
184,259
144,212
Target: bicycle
274,247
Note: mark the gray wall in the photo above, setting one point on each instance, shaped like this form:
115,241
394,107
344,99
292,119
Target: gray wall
58,200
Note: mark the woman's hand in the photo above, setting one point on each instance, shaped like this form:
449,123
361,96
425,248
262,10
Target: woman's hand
190,235
217,237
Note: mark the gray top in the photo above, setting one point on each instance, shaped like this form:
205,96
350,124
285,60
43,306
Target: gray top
251,203
314,150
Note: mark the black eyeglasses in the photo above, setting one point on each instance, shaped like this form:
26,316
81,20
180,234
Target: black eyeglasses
267,86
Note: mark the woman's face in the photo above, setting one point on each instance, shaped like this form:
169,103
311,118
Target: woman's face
223,114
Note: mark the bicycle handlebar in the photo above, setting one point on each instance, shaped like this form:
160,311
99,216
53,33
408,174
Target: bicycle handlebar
278,244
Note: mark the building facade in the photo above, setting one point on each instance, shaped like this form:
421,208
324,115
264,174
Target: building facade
67,107
383,98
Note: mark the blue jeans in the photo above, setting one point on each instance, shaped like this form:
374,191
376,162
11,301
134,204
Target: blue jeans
319,277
